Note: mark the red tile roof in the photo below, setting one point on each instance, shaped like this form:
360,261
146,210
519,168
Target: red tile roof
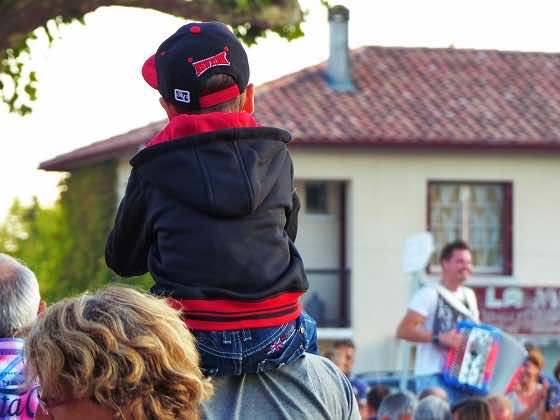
104,149
409,97
423,96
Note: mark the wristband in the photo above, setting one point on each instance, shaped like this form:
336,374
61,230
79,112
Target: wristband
435,338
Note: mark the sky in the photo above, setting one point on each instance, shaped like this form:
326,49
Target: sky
90,87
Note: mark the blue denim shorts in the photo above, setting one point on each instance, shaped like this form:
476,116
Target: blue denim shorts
256,350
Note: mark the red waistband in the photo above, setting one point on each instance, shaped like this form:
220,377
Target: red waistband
227,314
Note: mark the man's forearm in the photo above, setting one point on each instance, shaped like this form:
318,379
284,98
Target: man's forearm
416,335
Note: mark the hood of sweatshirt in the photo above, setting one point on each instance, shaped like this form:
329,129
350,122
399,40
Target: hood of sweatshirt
221,164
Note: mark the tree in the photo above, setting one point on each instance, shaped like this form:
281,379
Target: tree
63,245
39,237
20,19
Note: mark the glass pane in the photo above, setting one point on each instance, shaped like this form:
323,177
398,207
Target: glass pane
316,199
485,226
472,212
445,215
323,299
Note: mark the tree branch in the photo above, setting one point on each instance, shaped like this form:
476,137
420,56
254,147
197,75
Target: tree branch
19,18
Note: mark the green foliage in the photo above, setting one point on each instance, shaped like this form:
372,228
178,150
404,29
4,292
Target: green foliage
88,201
64,245
250,33
38,237
18,82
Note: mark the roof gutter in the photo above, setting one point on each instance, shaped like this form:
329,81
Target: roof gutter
354,143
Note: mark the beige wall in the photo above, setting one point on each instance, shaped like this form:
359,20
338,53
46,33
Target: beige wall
387,200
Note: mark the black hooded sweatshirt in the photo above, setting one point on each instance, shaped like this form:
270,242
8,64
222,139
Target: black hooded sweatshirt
210,211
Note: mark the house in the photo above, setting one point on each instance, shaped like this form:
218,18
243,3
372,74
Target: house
390,142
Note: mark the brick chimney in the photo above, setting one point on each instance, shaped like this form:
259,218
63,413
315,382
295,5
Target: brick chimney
339,73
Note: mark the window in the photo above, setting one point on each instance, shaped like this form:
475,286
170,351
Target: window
480,214
316,198
321,241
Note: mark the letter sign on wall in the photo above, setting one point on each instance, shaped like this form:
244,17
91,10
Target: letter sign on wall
520,310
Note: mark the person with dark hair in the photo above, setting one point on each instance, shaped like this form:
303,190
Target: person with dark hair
472,409
374,398
348,349
433,314
348,356
211,212
336,356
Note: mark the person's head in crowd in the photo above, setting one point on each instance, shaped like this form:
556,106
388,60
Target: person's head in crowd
398,406
435,391
115,354
500,407
374,397
337,356
349,351
432,407
456,262
19,297
472,409
340,355
529,345
531,368
19,303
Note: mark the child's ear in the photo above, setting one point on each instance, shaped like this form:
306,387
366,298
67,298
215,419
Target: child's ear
249,104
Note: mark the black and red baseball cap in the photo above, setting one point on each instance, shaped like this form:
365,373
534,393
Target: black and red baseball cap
185,60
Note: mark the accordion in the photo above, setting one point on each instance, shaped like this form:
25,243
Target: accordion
471,366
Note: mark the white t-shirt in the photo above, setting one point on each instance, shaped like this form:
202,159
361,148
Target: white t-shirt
430,357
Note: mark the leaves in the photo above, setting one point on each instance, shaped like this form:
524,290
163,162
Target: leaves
65,245
36,236
251,19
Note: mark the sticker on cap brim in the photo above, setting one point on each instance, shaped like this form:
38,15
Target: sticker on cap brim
183,95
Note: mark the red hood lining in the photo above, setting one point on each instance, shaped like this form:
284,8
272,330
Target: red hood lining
185,125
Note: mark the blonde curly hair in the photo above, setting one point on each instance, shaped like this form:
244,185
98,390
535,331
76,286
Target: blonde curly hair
127,351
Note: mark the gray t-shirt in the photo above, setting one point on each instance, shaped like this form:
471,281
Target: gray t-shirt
311,388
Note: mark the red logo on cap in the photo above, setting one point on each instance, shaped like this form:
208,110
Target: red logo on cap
216,60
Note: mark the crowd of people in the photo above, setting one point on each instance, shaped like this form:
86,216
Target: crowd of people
528,397
120,353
